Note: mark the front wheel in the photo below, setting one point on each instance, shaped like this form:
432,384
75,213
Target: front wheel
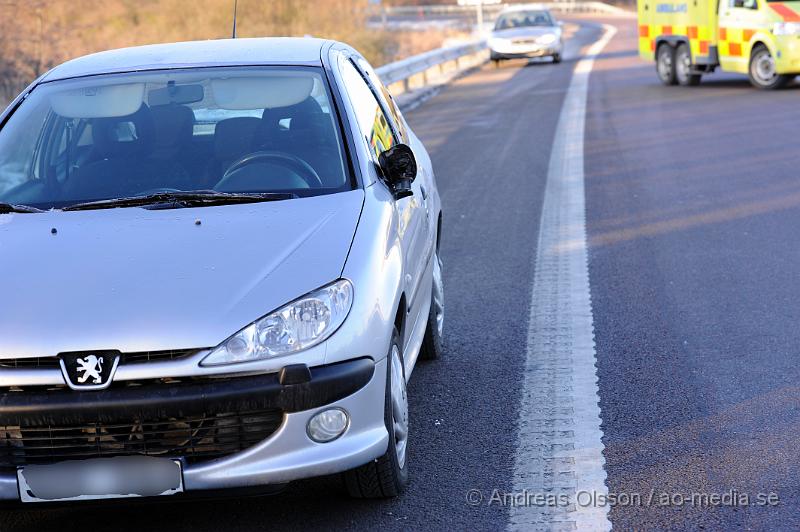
433,341
387,476
763,72
556,58
665,64
683,67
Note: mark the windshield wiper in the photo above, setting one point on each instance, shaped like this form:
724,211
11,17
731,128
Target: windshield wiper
177,200
6,208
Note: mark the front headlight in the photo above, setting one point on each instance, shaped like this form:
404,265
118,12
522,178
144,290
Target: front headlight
786,28
299,325
547,38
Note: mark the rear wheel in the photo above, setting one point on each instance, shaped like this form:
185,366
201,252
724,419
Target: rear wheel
556,58
763,72
387,476
683,67
665,64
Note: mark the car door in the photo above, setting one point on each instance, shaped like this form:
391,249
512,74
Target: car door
422,185
738,21
381,133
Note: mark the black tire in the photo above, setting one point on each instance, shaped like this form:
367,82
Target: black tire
556,58
761,70
433,341
665,64
383,477
683,67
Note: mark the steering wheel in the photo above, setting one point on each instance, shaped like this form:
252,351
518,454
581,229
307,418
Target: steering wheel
287,160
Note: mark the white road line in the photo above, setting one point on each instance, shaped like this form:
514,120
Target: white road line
559,448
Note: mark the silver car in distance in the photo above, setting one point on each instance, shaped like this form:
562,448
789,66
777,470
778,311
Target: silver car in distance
526,31
220,265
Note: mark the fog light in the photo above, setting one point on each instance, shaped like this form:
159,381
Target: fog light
327,425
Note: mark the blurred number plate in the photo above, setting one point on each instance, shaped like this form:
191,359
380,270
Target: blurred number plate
100,478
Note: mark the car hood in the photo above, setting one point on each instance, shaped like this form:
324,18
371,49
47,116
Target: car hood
144,280
530,31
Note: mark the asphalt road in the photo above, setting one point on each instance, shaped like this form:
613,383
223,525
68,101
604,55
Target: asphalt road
692,208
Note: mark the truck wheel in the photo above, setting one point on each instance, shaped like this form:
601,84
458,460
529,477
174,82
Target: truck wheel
683,67
387,476
665,64
762,71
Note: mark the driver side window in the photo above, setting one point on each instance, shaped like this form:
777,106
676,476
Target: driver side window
370,118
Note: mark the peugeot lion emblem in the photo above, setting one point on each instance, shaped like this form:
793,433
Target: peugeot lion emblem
91,366
89,371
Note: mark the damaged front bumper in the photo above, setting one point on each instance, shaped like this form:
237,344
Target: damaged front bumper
235,432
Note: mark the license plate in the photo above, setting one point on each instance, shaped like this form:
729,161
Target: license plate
100,478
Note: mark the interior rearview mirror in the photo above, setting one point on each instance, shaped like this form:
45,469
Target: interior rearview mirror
172,93
399,168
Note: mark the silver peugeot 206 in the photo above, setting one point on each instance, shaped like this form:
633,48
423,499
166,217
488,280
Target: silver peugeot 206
220,265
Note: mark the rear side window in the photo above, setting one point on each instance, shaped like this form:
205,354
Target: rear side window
371,120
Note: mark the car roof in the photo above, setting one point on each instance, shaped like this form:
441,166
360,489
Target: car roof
221,52
523,7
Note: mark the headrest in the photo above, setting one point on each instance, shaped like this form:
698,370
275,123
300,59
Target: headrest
312,127
173,125
307,106
319,121
233,136
125,135
269,128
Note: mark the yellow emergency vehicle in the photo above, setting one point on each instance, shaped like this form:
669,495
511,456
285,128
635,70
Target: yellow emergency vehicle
689,38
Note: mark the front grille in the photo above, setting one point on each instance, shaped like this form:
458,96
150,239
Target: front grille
196,438
125,358
155,356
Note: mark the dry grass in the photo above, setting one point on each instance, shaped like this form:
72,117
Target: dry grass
38,34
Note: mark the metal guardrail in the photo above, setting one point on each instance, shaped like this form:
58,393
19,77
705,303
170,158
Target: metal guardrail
561,7
434,64
431,68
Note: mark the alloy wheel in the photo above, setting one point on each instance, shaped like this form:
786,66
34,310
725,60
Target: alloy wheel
399,407
438,295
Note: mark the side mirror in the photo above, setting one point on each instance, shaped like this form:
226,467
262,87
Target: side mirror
399,168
